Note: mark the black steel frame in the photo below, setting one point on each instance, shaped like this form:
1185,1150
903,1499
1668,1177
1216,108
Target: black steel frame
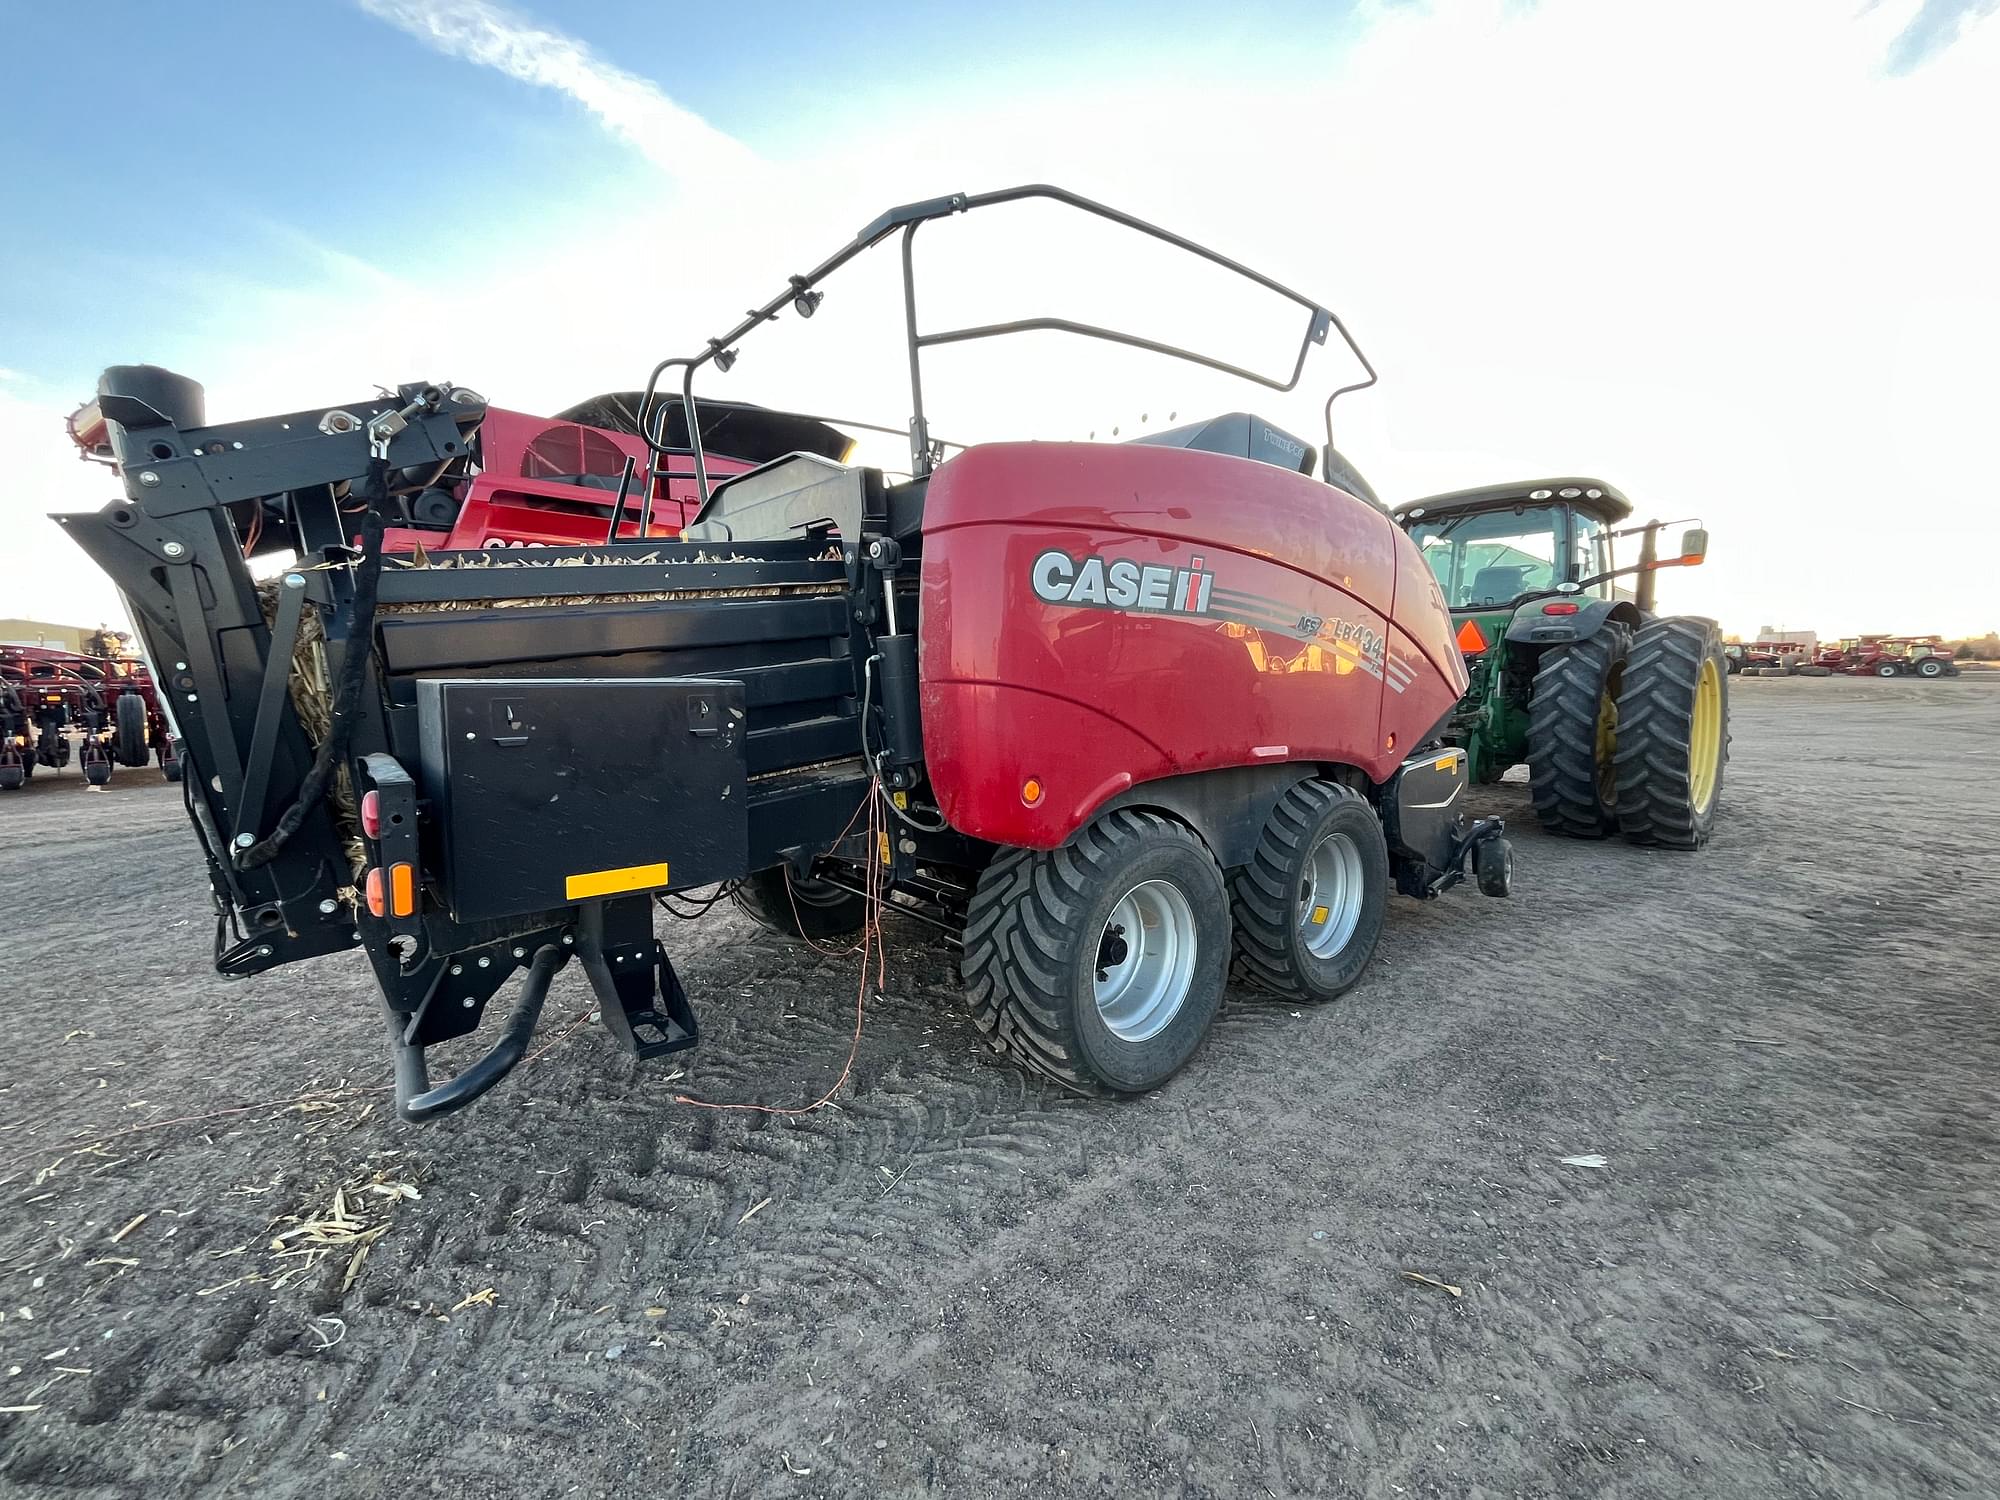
802,292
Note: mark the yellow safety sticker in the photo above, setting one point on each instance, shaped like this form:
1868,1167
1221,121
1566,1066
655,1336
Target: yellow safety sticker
886,859
592,883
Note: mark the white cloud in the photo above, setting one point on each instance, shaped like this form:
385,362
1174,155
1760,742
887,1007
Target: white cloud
635,109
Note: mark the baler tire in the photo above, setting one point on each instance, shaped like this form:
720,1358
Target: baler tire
801,909
1674,703
1035,936
128,742
1272,948
1571,778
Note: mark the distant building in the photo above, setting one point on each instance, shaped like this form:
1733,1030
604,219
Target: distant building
42,633
1806,640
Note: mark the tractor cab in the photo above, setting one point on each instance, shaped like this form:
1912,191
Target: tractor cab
1499,546
1538,559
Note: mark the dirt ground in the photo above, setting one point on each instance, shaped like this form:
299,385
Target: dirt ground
961,1282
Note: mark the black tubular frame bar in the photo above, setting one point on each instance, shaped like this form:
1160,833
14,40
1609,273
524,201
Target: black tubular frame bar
802,292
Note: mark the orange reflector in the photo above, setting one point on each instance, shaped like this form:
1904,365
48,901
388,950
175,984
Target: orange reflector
402,890
374,890
1470,637
371,814
1031,791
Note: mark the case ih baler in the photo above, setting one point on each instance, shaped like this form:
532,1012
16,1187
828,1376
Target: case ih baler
1111,715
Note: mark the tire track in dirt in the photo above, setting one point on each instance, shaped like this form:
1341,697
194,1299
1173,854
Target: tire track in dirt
1010,1291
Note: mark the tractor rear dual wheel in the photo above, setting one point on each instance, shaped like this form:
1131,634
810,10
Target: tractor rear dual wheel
1673,733
1573,733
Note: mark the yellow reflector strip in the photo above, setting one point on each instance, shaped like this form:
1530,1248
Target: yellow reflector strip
1319,915
590,883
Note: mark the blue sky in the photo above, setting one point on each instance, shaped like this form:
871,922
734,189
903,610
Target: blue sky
218,148
1735,255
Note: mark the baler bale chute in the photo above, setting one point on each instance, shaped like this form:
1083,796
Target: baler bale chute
1621,714
1065,702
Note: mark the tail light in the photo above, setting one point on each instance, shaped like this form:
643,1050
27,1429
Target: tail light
371,816
1560,607
391,893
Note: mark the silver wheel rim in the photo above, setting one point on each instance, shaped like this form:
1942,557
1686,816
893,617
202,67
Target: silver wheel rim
1330,899
1145,961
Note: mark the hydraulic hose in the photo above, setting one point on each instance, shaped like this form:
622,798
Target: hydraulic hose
353,671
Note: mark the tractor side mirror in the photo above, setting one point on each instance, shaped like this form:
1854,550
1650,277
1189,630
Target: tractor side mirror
1694,545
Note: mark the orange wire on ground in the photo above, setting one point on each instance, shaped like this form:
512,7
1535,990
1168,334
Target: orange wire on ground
871,938
867,802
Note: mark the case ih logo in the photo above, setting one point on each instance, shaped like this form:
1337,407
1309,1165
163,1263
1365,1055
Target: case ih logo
1121,583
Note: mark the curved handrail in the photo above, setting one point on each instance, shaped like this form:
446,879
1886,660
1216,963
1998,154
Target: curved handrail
802,291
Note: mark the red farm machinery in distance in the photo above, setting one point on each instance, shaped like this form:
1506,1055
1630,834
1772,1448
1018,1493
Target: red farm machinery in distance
1924,656
1115,717
102,706
1761,656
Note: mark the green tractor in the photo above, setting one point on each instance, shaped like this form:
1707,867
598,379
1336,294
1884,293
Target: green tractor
1620,714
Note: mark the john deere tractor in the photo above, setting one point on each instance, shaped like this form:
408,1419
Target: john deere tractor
1621,714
